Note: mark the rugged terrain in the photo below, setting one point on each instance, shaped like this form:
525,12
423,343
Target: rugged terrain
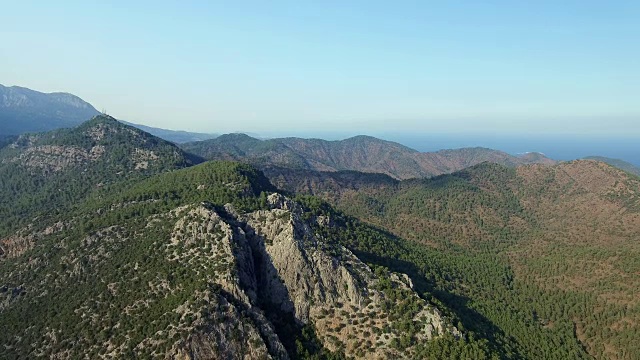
41,174
360,153
544,252
207,261
115,243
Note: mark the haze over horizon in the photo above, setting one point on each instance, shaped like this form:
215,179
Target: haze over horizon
493,68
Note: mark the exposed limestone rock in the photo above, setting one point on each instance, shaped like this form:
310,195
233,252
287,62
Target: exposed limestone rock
242,331
25,239
229,334
142,158
272,259
16,245
320,277
99,131
54,158
255,272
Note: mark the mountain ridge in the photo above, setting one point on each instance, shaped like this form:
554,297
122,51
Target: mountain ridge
110,257
359,153
210,264
620,164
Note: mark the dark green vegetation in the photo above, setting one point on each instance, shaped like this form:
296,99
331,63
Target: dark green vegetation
102,283
620,164
85,269
530,262
360,153
75,271
477,288
532,259
45,174
6,140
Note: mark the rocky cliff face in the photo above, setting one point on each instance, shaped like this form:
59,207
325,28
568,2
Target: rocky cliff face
269,264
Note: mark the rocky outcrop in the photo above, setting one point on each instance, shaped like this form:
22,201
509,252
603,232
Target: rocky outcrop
98,143
25,239
270,263
234,327
231,331
54,158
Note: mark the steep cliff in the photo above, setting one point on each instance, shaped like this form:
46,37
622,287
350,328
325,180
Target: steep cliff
271,264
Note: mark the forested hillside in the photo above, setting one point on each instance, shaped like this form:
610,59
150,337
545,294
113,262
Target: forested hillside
147,258
196,260
548,255
620,164
113,244
42,173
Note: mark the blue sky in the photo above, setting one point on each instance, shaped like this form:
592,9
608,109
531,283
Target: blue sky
506,67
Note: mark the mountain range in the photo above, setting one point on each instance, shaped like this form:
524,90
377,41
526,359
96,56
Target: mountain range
24,110
112,244
360,153
117,243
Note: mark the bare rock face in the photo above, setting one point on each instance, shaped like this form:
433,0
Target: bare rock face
327,285
227,334
25,239
16,245
235,328
310,270
269,263
54,158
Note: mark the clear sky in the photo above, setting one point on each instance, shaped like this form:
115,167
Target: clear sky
513,66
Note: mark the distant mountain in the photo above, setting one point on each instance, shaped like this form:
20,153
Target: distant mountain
360,153
620,164
175,136
24,110
114,243
329,185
